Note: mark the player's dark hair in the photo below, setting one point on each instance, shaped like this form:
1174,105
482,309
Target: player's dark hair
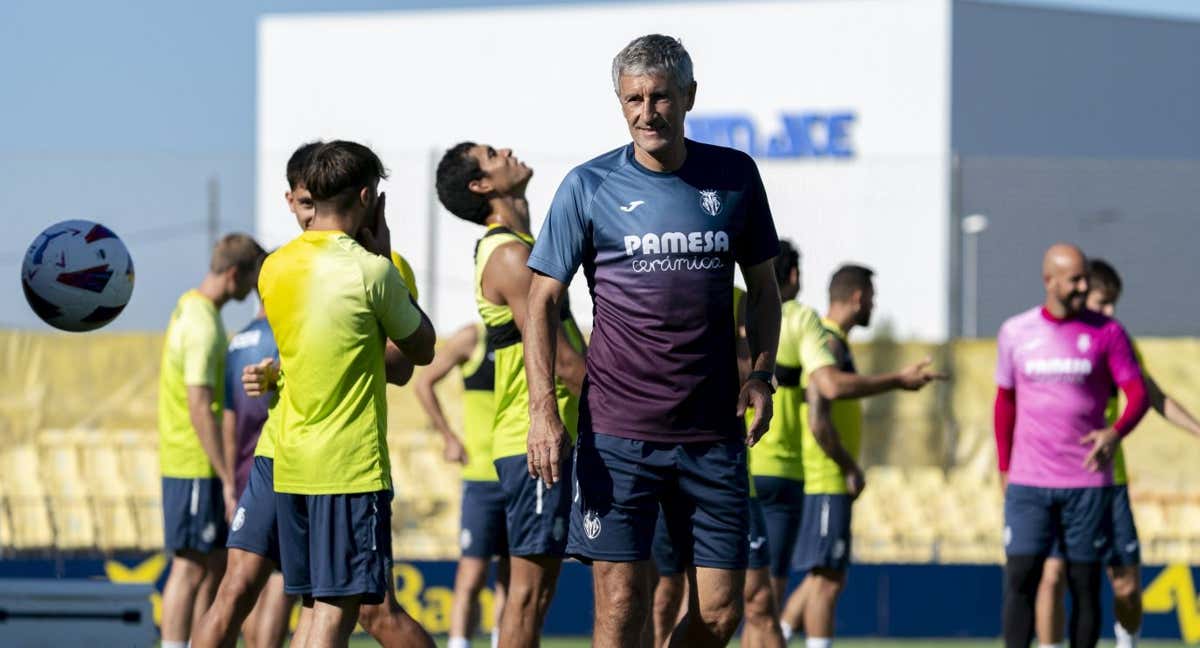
455,172
788,260
299,160
339,170
239,251
847,279
1102,275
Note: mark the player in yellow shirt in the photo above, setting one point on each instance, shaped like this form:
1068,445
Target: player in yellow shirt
332,304
254,539
831,432
1124,559
197,480
486,186
483,533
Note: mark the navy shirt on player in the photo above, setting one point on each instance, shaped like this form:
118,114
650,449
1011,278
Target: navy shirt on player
250,346
658,251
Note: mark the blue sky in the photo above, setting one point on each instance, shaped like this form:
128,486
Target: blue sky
122,111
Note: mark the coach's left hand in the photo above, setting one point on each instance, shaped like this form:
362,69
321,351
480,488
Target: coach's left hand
757,394
545,447
1104,444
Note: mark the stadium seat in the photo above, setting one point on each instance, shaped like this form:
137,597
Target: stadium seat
6,528
32,528
74,524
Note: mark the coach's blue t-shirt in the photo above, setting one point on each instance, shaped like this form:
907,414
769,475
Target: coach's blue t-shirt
658,251
248,347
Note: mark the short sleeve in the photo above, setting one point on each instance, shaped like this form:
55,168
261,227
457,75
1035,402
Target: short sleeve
814,344
389,299
202,352
558,251
758,241
1122,360
1005,374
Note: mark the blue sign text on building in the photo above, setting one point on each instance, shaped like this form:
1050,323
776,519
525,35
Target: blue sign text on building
799,135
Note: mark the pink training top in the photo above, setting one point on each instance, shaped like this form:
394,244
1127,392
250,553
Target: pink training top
1063,373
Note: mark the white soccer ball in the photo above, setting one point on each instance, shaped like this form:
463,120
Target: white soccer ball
77,275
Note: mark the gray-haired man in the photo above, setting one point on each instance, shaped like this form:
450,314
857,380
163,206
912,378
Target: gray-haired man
658,225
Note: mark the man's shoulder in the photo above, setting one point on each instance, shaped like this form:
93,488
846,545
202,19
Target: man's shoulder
588,176
1015,324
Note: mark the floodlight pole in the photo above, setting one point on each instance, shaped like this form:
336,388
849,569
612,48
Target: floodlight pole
972,226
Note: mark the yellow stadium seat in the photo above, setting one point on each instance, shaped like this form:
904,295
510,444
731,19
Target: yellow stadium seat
148,516
116,527
141,471
20,471
102,470
6,528
61,471
927,480
32,528
74,524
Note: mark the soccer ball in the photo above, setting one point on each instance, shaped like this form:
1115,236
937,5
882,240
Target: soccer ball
77,275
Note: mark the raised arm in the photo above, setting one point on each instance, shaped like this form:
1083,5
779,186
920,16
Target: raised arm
453,353
1169,408
835,384
763,310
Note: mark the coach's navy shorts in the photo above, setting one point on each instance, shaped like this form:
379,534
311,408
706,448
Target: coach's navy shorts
783,507
667,560
336,545
483,526
1080,518
1125,549
759,544
620,484
536,516
193,514
254,527
824,533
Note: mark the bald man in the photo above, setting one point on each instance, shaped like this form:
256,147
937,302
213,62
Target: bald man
1057,366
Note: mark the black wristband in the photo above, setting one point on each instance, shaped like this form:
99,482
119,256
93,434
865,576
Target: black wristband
764,376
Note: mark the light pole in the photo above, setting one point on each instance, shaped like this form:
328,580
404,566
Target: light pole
972,226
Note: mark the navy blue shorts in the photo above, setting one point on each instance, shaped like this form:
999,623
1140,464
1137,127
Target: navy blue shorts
254,527
783,507
336,545
670,562
1035,519
1124,549
620,485
824,533
193,514
483,525
536,516
759,545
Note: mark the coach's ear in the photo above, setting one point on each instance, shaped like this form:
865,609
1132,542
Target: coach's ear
691,97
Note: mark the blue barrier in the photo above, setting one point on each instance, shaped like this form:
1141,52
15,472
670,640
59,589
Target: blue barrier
880,600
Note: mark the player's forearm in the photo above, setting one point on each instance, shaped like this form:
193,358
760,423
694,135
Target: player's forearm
397,367
1179,416
851,385
820,421
1137,403
763,312
1004,421
205,424
569,365
418,347
429,401
541,329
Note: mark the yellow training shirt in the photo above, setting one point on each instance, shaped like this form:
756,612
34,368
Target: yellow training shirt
331,304
821,474
193,356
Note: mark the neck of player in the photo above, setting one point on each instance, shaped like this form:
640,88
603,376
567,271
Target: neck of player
213,287
1057,309
668,159
511,212
841,315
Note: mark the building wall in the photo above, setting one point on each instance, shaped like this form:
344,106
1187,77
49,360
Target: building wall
1085,128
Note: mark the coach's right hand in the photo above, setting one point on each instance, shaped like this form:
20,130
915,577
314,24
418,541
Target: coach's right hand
258,379
855,482
545,447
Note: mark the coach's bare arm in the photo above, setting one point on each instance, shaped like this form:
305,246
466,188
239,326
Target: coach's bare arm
204,421
547,354
763,311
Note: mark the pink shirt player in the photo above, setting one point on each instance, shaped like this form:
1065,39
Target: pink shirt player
1063,373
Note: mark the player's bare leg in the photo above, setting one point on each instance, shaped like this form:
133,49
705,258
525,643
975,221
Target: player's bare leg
499,597
669,594
793,609
761,629
623,598
826,586
531,584
188,568
333,621
245,577
267,625
714,607
1050,620
469,579
391,626
1127,600
214,573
